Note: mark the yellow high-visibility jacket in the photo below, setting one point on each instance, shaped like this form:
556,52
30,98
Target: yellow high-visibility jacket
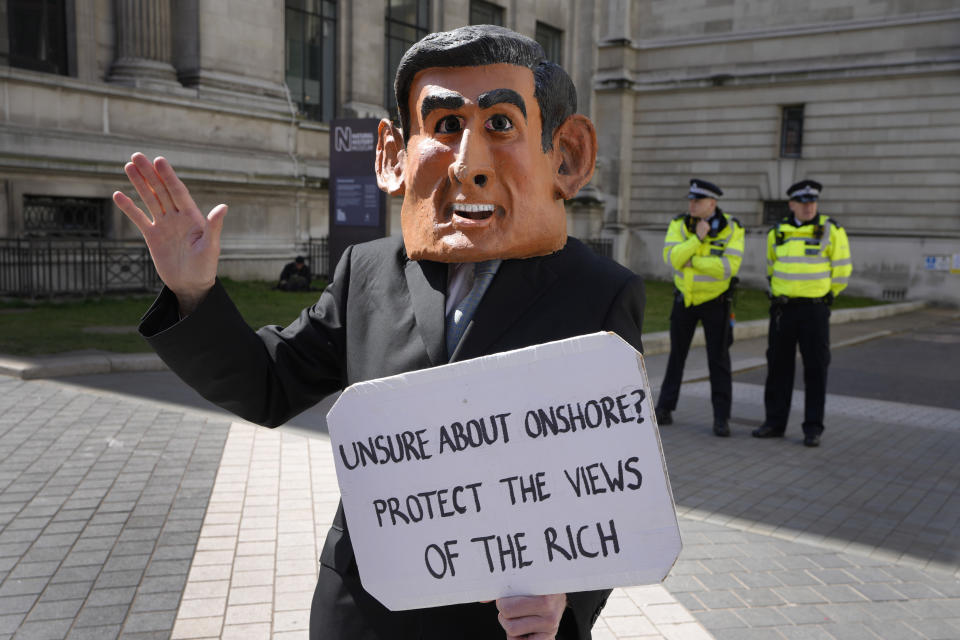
702,270
810,260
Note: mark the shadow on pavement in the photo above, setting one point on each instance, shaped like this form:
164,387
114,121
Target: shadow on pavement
164,386
885,482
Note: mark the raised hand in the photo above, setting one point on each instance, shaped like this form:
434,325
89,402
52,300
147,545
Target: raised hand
531,617
184,244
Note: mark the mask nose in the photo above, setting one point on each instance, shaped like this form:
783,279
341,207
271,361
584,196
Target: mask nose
473,164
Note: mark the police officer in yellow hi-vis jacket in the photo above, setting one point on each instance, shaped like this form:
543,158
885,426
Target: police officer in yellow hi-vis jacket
808,264
705,248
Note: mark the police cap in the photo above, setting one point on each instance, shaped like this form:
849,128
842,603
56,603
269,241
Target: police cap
703,189
805,191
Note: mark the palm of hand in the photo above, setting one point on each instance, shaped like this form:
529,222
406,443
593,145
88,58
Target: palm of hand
184,244
182,249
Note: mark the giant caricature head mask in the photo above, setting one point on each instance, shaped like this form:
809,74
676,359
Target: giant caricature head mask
489,150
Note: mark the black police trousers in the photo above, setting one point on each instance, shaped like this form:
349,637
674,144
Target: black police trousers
806,324
715,316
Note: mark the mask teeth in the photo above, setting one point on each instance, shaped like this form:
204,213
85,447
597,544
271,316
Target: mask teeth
473,208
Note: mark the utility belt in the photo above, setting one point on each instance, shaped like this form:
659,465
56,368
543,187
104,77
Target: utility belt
787,300
725,297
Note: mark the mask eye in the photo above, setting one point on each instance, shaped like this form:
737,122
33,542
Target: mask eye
449,124
499,122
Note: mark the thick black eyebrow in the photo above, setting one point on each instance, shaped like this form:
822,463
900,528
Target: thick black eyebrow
440,100
499,96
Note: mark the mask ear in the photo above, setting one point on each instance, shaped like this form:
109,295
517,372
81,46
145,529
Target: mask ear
390,159
576,142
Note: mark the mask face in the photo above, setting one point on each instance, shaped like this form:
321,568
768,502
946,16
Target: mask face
475,180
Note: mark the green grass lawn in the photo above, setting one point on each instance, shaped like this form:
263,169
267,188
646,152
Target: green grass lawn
751,304
37,328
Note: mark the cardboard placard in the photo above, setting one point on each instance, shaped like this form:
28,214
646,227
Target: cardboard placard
531,472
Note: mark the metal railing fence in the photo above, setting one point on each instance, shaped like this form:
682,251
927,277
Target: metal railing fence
42,267
601,246
317,257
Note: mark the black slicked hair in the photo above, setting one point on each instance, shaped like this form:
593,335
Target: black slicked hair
478,45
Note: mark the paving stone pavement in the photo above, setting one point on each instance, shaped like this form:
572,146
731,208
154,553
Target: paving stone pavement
272,504
137,519
101,503
255,569
859,538
133,518
886,481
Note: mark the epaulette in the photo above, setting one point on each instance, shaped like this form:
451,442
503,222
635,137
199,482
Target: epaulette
732,219
833,221
680,217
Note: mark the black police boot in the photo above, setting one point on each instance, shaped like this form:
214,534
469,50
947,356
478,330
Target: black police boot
811,440
721,429
766,431
663,417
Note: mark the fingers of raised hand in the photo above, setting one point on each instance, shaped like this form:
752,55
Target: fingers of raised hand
132,211
174,186
156,182
149,185
215,217
147,195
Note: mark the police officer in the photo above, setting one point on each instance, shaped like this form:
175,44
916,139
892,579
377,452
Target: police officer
705,248
808,264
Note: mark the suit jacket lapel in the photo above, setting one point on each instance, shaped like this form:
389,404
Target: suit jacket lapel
427,282
517,285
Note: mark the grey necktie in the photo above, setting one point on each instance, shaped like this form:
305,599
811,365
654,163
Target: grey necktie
460,316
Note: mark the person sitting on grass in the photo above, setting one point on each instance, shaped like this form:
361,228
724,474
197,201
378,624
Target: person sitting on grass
295,276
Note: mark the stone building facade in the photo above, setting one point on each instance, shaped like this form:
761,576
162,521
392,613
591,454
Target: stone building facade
237,94
863,96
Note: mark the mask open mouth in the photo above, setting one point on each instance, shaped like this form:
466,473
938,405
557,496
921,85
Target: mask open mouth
472,211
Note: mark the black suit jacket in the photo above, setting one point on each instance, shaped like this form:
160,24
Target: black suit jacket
383,314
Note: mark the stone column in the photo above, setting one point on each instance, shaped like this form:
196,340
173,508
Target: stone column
142,54
619,21
363,83
614,104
